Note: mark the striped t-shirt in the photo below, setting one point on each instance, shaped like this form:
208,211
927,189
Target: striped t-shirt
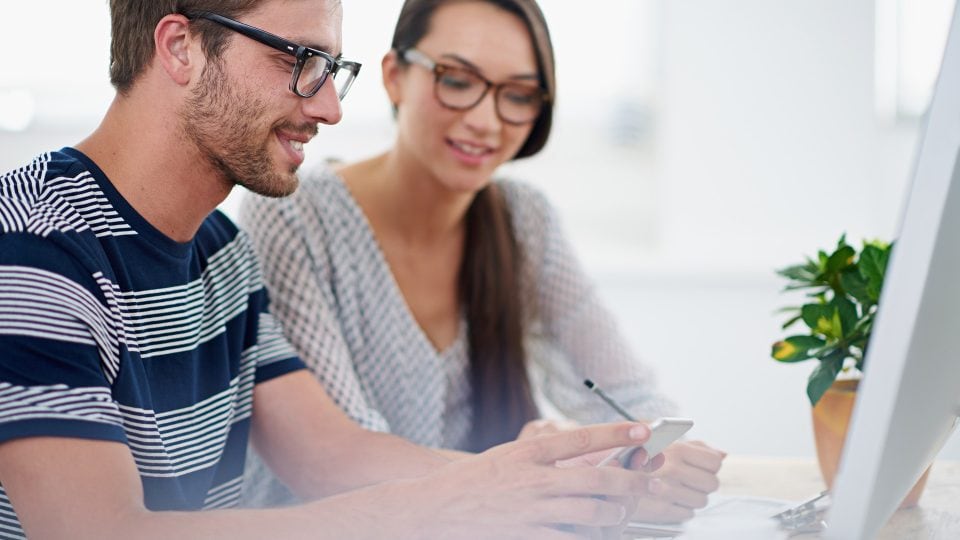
110,330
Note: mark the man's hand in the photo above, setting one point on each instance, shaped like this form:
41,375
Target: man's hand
544,426
516,490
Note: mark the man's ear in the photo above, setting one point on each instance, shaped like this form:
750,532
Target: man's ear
392,74
173,48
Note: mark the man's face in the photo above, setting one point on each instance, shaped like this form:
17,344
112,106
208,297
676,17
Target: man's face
241,114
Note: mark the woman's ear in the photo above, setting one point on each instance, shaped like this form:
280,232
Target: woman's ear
392,75
173,41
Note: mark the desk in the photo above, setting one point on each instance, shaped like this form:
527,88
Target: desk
936,518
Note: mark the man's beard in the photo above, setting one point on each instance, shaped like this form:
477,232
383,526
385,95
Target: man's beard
223,122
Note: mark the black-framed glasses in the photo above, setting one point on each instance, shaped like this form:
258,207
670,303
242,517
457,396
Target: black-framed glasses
461,88
312,67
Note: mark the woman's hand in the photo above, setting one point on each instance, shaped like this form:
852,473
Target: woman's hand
687,477
686,473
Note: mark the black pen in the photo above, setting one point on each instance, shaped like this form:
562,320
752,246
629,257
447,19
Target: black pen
616,406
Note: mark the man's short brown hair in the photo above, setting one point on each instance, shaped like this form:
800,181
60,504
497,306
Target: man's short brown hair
133,23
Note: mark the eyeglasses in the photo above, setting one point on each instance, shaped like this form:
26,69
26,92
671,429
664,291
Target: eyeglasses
460,89
312,67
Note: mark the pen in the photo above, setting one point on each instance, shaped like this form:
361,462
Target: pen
616,406
623,452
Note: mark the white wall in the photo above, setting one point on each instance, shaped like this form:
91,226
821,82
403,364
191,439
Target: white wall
768,148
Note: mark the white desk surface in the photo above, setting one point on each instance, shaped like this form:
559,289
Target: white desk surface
936,518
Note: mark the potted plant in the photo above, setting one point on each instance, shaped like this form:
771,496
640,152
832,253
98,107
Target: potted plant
842,294
842,291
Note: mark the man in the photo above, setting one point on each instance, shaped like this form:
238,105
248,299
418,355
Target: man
138,352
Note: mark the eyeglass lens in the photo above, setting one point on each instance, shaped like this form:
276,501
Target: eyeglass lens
314,72
461,89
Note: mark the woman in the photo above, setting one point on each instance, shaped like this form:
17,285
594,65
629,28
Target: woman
424,294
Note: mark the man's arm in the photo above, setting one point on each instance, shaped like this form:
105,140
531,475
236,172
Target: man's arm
316,450
78,489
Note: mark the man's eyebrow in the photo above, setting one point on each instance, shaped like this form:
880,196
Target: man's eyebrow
468,64
325,47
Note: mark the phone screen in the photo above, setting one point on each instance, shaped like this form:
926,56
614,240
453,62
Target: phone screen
663,432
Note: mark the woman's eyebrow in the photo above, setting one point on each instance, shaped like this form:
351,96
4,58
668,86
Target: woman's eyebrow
474,67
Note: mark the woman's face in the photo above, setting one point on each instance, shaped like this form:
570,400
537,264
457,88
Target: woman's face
462,148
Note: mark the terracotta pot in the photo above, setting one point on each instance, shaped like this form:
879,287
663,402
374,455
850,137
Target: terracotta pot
831,417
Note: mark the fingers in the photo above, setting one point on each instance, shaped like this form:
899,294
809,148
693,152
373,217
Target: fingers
700,455
545,532
693,477
581,533
655,463
551,448
543,426
693,465
661,511
603,481
639,460
582,511
616,532
534,428
682,495
705,445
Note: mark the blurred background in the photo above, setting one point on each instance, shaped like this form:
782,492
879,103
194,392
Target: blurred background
698,146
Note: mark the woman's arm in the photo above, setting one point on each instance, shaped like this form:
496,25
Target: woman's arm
289,243
579,337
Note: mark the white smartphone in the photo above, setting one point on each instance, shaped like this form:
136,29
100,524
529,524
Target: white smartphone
663,432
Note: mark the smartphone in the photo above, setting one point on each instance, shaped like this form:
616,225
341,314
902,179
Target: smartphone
663,432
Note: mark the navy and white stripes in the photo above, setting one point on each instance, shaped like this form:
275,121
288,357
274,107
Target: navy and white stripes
110,330
61,203
20,403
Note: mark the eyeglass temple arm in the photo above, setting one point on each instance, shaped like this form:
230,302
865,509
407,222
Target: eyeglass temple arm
415,56
262,36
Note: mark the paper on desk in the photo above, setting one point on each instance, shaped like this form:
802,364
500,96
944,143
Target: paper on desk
722,508
745,506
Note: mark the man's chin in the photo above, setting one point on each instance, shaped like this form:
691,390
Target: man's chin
275,186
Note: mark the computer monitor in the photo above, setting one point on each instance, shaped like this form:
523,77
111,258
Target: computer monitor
909,400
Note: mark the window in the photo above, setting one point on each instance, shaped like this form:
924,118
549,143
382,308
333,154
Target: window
910,38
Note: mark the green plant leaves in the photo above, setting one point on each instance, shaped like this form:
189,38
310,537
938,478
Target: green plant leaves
796,348
855,284
804,273
818,317
873,267
842,290
824,375
840,259
846,311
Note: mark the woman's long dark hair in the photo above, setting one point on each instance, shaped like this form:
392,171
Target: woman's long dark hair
492,269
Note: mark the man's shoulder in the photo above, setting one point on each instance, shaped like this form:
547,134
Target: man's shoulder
48,195
27,182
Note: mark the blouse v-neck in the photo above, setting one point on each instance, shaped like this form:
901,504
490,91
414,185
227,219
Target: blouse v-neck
396,293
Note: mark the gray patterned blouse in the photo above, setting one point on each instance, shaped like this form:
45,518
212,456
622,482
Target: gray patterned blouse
341,308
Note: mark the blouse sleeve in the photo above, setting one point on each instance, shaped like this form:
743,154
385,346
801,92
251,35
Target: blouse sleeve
577,337
289,238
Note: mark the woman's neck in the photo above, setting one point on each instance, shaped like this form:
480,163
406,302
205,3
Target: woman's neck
403,199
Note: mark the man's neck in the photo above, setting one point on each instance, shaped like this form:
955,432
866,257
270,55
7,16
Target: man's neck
144,153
